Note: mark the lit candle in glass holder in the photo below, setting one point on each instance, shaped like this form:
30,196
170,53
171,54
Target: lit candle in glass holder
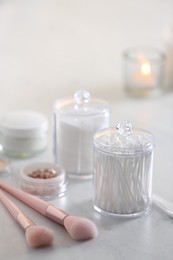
143,72
144,77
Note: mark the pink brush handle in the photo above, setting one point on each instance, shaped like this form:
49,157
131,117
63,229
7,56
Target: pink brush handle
12,208
39,205
17,214
30,200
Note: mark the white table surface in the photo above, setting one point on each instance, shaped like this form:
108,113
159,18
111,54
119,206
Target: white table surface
149,237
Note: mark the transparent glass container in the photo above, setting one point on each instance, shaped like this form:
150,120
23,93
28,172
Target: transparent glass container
76,120
144,72
45,180
123,169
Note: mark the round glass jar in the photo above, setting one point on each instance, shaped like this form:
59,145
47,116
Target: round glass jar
4,165
45,180
123,169
23,134
76,120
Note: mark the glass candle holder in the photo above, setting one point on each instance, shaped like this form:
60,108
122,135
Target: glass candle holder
143,72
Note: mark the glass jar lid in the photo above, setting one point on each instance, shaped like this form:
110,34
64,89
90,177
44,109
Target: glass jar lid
23,123
124,140
81,104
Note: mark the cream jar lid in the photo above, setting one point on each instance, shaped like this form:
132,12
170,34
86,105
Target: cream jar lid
23,123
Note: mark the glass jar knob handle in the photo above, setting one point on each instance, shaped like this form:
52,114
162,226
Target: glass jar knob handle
124,128
82,97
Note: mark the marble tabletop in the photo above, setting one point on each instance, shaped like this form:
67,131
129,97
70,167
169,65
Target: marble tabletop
148,237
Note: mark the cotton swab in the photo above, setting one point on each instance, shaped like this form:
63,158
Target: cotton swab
77,227
36,236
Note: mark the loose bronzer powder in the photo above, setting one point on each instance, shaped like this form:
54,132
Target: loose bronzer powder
43,174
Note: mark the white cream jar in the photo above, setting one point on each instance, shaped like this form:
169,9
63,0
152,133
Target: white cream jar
23,133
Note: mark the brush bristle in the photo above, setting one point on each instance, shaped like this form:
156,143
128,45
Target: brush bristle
38,236
80,228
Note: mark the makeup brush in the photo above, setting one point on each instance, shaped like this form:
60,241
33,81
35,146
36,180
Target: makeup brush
77,227
36,236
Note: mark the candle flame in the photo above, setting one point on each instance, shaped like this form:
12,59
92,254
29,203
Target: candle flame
145,68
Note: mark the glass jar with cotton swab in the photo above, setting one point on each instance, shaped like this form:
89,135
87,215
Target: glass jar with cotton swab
122,170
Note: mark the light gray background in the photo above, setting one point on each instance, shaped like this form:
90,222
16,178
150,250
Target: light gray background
51,48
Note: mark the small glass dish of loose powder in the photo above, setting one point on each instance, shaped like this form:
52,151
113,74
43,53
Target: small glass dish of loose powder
4,166
45,180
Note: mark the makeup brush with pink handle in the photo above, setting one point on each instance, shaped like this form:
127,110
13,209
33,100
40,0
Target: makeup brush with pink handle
78,228
36,236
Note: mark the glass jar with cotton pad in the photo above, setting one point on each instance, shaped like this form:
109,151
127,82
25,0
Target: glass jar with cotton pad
23,133
123,169
76,120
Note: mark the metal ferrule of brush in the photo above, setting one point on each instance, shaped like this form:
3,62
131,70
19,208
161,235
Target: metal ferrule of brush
23,221
55,214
